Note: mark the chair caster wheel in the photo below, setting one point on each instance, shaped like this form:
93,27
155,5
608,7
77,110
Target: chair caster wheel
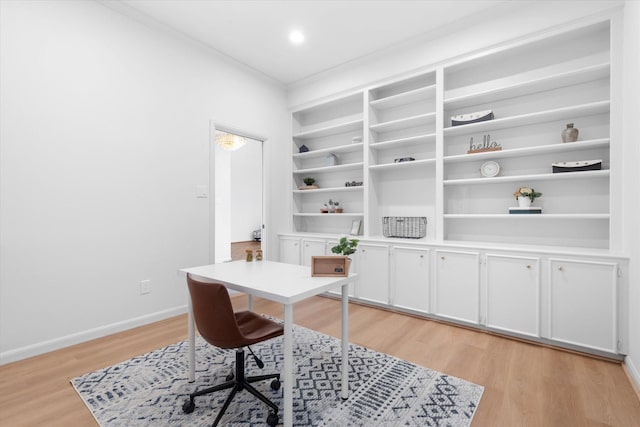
275,384
188,407
272,419
228,377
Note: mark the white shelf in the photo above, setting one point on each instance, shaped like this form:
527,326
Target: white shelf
531,177
324,169
407,122
416,95
542,149
330,130
406,142
329,215
403,165
330,190
599,107
555,81
324,151
542,216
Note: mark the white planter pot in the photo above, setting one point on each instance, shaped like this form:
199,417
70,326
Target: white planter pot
524,202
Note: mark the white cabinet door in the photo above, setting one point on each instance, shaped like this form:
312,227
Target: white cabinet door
457,290
583,303
311,248
373,273
410,272
289,250
513,294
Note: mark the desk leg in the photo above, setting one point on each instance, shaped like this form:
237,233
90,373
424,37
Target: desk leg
287,420
345,341
192,343
249,302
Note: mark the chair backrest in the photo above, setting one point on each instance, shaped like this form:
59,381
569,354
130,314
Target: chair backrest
213,314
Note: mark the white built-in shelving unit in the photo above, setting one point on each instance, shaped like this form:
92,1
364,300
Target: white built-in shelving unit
333,158
534,88
557,277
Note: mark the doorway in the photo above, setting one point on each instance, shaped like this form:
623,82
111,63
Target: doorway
237,171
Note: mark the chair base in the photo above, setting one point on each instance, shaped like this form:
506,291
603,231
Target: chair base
239,383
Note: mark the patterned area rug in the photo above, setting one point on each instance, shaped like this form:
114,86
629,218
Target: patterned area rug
384,391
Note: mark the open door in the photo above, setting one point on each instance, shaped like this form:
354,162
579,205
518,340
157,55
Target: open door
238,209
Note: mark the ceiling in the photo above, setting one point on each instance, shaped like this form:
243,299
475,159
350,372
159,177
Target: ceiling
256,32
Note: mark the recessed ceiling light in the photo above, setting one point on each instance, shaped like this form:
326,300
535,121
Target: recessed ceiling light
296,37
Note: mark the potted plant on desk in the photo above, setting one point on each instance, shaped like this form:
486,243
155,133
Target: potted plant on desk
346,247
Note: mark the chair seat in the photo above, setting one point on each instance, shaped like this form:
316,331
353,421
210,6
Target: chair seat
256,328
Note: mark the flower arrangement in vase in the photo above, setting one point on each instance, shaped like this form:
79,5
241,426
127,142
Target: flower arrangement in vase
525,196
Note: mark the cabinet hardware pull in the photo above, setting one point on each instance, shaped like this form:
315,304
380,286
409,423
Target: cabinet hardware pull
529,267
559,268
442,258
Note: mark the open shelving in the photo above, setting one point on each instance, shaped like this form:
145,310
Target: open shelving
527,151
532,177
536,217
534,88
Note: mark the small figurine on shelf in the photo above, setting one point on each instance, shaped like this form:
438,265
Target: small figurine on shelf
249,253
258,254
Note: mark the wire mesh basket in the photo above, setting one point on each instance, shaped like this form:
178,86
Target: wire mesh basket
412,227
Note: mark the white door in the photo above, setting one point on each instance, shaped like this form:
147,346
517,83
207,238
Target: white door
583,298
457,290
410,272
289,250
311,248
235,190
373,273
513,294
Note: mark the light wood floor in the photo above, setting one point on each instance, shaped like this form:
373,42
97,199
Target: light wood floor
525,384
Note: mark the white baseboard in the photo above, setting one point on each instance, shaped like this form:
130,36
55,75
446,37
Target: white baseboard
90,334
633,374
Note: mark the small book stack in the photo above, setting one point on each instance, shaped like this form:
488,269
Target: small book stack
525,211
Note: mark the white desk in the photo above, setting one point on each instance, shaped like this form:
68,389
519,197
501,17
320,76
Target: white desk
283,283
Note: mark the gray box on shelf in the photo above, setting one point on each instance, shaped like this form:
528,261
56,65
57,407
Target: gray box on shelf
412,227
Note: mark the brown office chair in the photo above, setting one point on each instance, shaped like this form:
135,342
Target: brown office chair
221,327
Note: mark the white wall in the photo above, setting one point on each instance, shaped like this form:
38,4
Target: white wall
631,131
104,137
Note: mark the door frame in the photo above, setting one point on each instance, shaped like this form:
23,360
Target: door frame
214,126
